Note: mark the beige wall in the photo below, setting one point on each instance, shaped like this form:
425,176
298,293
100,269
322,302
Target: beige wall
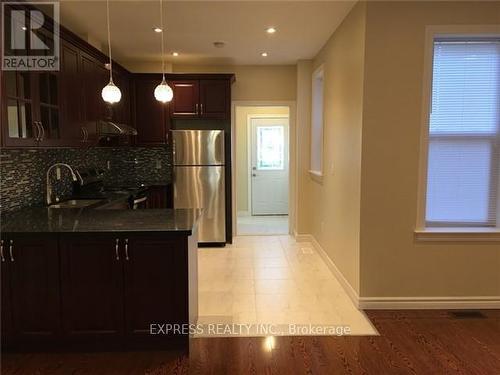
392,263
334,204
253,83
241,122
304,91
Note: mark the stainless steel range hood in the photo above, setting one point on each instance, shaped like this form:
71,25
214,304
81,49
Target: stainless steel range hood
108,128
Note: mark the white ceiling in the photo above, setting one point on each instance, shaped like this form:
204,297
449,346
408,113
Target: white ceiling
193,26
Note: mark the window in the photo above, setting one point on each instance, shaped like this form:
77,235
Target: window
316,166
464,135
270,148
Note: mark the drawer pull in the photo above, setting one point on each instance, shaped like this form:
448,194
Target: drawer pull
1,251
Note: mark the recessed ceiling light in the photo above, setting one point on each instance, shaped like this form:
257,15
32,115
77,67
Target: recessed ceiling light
175,53
264,54
271,30
157,29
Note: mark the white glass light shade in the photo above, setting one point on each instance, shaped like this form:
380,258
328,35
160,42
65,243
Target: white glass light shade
163,92
111,93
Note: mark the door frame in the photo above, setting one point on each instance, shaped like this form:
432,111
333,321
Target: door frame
249,152
292,154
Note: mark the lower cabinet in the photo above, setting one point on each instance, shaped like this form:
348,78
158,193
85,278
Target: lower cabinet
93,291
92,288
30,290
152,295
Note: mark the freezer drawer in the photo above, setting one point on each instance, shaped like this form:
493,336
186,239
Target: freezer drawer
203,187
198,147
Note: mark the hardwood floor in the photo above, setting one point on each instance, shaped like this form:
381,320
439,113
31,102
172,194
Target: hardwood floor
410,342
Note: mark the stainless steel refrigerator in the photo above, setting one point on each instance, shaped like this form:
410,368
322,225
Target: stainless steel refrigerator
199,180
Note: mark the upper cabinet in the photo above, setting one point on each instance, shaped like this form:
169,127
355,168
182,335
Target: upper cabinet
150,117
186,100
202,98
61,108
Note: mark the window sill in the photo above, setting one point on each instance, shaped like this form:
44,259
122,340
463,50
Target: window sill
316,176
458,234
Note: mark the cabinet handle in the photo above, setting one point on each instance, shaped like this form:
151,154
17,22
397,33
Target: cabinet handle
1,251
126,249
83,133
38,132
11,250
86,135
43,130
117,242
196,108
201,108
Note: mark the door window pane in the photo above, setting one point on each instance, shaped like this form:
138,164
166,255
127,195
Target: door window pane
44,87
54,123
10,83
24,85
270,148
53,89
12,118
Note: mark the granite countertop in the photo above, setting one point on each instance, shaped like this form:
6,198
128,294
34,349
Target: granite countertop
86,220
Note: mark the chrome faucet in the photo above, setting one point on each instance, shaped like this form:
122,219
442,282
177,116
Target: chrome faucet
49,187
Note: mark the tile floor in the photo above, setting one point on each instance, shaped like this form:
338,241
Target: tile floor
261,225
273,280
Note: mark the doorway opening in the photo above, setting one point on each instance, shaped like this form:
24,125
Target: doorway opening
262,169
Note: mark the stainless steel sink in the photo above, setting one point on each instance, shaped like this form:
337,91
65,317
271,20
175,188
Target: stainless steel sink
76,203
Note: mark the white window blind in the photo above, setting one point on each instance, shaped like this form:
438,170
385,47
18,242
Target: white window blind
463,155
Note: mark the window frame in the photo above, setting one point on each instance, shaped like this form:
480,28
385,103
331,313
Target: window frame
318,74
446,233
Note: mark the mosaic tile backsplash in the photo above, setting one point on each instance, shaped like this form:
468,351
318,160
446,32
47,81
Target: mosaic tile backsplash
22,172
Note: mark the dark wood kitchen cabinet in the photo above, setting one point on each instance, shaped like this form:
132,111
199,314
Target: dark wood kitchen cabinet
149,290
150,117
72,95
97,290
116,285
92,288
31,103
95,76
186,100
30,290
202,98
215,99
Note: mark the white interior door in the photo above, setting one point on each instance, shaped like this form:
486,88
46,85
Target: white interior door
269,166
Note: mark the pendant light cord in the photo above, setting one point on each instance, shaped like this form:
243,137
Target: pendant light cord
109,44
162,50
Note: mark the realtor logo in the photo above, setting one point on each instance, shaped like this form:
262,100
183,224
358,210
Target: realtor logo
30,39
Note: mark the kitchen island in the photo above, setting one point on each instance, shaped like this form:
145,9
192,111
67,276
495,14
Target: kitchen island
90,279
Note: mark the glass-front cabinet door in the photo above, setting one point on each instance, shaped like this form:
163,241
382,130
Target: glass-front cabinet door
20,126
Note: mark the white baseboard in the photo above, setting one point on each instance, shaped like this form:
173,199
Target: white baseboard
401,303
429,303
351,292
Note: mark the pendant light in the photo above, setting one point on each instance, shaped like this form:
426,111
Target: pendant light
110,93
163,92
